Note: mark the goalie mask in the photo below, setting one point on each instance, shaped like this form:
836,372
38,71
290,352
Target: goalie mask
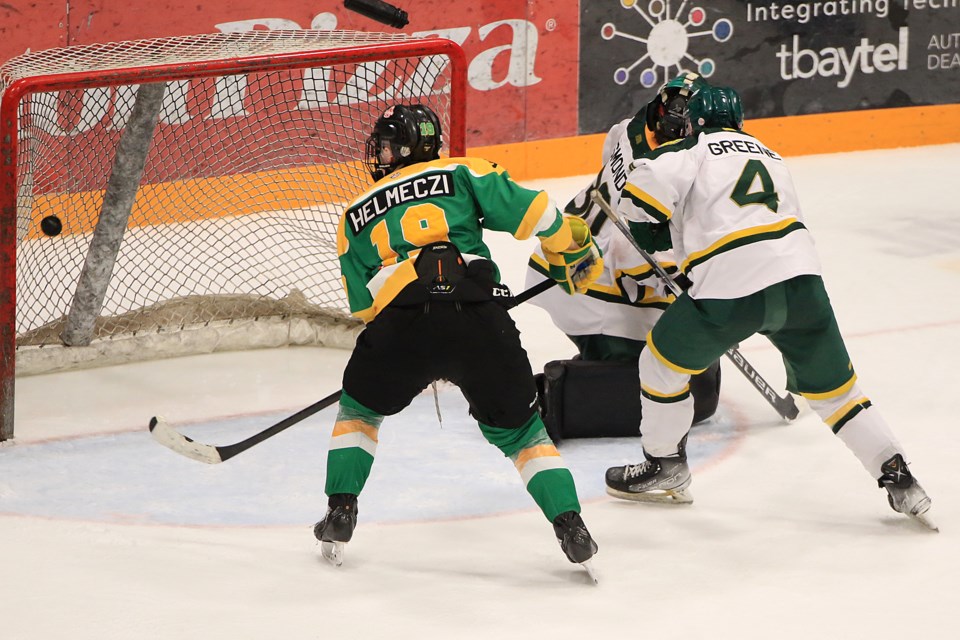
667,114
403,135
716,107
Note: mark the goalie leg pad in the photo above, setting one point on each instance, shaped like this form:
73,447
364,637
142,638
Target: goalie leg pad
590,399
705,389
597,399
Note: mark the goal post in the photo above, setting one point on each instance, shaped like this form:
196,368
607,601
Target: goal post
181,195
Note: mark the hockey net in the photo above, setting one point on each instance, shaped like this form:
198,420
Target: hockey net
182,195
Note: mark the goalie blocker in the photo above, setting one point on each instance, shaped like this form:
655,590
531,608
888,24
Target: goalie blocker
595,399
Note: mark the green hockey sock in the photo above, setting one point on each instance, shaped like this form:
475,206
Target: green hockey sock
353,446
541,468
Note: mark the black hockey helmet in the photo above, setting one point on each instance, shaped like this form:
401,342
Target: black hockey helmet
667,114
403,135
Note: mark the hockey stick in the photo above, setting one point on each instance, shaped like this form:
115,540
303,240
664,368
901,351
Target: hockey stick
175,441
786,406
535,290
170,438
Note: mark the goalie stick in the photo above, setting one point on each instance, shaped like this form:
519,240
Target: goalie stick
786,406
166,435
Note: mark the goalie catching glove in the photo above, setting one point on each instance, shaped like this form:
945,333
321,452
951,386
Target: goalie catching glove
576,263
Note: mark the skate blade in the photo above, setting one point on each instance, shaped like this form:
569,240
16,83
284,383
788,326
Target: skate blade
925,519
588,567
670,496
332,552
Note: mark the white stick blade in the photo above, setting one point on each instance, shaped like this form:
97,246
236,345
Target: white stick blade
179,443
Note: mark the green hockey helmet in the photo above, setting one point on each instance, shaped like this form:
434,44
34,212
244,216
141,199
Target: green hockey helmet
403,135
716,107
667,114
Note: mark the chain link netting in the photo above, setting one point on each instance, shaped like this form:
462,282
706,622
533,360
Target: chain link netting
246,175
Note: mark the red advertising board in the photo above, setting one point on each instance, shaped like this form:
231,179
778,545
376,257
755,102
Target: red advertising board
522,54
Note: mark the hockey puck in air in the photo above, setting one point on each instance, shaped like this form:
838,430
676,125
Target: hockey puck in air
51,226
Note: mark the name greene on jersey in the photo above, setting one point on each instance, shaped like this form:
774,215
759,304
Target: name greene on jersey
417,188
740,146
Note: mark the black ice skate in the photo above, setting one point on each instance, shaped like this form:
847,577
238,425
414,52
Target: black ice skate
336,528
663,480
904,492
575,540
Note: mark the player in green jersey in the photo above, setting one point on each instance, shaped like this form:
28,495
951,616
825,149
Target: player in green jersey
417,271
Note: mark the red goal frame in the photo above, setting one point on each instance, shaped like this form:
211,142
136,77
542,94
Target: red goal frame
22,88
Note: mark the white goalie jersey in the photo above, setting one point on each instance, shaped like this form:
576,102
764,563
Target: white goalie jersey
628,298
735,220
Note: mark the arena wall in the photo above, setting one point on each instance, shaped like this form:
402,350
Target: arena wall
547,78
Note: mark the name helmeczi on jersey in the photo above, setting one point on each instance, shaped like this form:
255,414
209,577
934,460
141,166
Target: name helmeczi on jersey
421,187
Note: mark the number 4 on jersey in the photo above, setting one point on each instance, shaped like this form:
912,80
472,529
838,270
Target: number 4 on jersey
767,195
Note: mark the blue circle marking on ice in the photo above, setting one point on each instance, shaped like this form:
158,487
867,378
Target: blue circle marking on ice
422,471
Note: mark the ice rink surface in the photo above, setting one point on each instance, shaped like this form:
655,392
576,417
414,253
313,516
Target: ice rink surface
106,535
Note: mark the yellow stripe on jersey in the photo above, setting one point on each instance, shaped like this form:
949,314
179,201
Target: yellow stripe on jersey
648,301
532,217
610,290
478,166
365,315
659,356
835,393
641,195
735,236
645,269
540,261
343,244
402,274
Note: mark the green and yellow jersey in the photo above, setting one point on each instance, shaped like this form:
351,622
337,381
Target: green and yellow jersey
449,199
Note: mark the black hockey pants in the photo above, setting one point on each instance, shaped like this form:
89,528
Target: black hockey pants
474,345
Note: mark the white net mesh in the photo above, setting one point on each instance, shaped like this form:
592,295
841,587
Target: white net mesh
234,219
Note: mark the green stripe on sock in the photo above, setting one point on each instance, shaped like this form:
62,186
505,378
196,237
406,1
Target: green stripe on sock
554,492
347,470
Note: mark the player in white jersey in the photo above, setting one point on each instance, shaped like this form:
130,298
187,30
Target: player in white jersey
610,323
739,234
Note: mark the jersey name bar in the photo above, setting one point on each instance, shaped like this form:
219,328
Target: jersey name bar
740,146
419,188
